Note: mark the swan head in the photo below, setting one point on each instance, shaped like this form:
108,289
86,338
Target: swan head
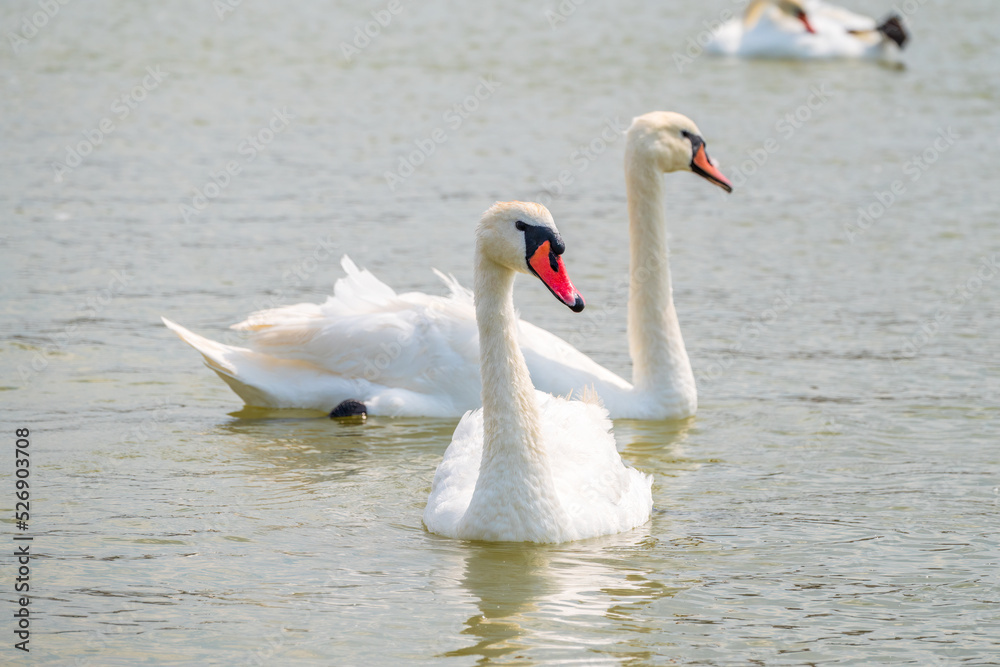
792,8
671,142
522,236
795,9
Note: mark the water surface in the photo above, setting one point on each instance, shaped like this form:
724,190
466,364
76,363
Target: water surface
833,503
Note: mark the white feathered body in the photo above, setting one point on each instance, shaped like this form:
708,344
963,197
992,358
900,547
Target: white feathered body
587,490
408,354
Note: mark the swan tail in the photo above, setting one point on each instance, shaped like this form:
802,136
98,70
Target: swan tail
215,354
892,28
260,379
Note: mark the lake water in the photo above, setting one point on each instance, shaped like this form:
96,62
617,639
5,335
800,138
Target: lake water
834,502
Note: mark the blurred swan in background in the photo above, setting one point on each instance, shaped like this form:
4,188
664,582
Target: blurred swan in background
527,466
807,29
414,354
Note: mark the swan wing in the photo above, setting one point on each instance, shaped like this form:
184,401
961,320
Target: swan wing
412,342
456,476
823,14
401,354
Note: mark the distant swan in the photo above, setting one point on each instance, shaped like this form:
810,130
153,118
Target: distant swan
528,467
415,354
807,29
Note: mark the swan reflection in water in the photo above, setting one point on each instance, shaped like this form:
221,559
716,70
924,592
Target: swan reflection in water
571,597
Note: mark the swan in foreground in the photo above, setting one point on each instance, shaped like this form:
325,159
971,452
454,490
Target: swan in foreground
417,355
807,29
528,467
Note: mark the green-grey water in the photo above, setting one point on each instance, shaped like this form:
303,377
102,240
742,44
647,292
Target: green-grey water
834,502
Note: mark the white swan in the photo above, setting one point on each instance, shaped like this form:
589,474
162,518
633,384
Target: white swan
807,29
417,355
528,467
408,354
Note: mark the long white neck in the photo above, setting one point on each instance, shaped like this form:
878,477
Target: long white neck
514,476
660,365
508,395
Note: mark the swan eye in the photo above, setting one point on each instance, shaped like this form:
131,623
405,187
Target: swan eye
520,226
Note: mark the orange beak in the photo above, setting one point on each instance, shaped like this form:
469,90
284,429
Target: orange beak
549,268
701,165
805,21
